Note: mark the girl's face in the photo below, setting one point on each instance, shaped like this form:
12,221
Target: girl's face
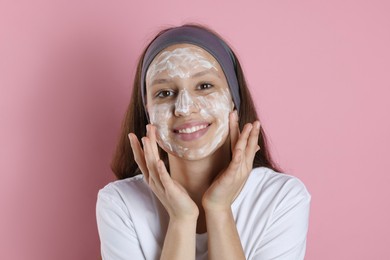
188,100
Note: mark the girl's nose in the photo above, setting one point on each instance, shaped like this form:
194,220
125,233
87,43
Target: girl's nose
184,105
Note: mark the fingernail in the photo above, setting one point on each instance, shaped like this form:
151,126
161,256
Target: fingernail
128,135
147,128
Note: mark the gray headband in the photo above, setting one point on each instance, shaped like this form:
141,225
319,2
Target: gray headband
202,38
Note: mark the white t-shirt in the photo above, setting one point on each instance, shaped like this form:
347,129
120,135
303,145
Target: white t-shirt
271,215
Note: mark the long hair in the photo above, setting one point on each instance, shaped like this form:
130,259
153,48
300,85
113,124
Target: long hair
123,164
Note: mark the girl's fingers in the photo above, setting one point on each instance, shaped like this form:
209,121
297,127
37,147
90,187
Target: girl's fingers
151,133
165,178
235,164
138,155
243,138
252,145
151,163
154,136
237,159
234,129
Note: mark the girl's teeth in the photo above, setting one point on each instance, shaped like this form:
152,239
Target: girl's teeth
192,129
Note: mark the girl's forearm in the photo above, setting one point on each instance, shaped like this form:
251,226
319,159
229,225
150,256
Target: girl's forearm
223,239
180,240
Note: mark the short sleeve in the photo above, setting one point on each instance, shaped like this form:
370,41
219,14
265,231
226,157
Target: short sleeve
285,237
118,239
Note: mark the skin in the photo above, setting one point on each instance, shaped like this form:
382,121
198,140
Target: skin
198,193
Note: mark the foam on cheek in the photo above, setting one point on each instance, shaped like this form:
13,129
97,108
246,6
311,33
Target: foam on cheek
216,106
159,117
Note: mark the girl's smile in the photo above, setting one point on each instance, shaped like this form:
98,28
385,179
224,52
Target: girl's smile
191,131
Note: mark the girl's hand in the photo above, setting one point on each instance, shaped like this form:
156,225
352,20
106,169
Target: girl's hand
171,194
228,184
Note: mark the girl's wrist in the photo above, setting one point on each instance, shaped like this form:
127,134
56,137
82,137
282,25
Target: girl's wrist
218,210
184,220
219,218
183,223
214,207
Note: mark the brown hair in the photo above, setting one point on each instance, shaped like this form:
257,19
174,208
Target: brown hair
123,164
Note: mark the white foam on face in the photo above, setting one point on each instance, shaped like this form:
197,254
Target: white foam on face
213,108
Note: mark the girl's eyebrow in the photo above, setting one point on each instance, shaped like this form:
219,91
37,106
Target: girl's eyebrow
201,73
196,75
159,81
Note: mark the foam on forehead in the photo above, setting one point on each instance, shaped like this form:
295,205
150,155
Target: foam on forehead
199,37
179,62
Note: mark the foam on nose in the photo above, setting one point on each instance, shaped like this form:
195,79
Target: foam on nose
183,102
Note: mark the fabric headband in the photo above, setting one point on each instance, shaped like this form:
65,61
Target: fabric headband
202,38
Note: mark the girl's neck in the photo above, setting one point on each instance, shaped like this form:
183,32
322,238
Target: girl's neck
196,176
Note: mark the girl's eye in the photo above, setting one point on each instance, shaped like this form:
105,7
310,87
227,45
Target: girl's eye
164,93
205,86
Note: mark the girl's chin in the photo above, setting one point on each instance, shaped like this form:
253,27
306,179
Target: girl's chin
190,153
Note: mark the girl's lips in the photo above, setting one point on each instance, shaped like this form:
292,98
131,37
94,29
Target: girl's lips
191,131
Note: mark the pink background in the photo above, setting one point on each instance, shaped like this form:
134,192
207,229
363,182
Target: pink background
318,70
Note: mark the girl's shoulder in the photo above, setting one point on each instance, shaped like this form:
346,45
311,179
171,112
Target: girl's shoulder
124,185
271,179
134,182
126,192
266,184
